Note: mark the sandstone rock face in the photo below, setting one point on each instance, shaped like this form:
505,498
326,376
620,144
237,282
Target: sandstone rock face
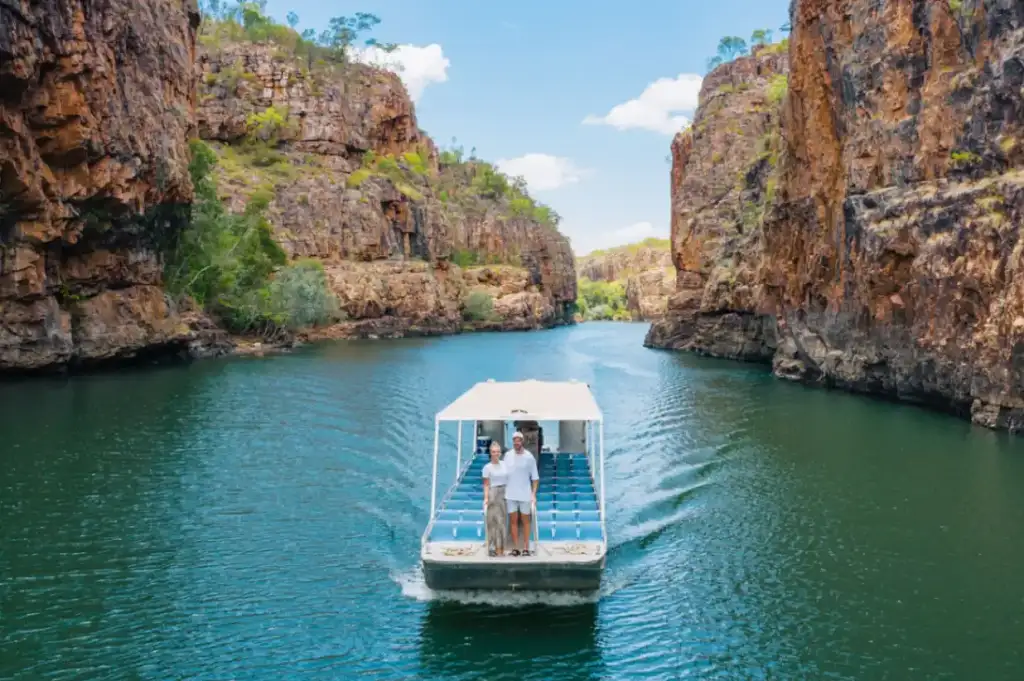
889,260
647,293
893,258
388,238
393,299
645,269
342,113
619,263
96,102
723,176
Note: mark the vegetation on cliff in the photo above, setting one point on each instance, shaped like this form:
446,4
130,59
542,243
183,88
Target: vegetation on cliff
328,151
624,282
731,46
602,300
231,265
248,21
652,242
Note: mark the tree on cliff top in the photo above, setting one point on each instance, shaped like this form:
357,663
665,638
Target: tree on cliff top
248,20
731,46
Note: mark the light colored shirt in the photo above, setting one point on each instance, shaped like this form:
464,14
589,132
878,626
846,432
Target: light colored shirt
496,473
521,470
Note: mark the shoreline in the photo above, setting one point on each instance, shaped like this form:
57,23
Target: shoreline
213,343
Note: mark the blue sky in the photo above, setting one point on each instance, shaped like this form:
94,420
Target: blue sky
519,80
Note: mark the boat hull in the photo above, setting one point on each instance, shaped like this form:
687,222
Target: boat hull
514,575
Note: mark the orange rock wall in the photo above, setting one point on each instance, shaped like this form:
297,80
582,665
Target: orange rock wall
96,101
889,260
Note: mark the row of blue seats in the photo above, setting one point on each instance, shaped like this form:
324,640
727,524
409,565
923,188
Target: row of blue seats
477,496
542,505
550,484
475,477
448,530
477,515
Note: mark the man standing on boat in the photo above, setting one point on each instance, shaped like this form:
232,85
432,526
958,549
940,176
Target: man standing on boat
520,490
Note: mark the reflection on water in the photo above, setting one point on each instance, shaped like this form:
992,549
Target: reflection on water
260,519
531,642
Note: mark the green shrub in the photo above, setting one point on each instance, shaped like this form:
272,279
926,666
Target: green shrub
479,307
223,260
489,182
450,157
778,86
602,300
268,125
415,162
300,297
464,257
964,160
357,178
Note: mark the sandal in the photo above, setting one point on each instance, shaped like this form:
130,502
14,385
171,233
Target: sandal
526,552
515,552
492,553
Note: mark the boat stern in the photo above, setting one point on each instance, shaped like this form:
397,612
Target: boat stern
554,566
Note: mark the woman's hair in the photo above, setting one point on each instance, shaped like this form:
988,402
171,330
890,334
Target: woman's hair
494,444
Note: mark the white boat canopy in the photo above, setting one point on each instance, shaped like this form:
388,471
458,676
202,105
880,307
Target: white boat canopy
530,400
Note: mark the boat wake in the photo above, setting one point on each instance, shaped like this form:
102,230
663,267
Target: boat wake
414,586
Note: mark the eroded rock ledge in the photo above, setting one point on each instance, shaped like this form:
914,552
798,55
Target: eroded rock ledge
888,258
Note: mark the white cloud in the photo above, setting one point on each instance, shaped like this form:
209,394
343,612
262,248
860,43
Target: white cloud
417,66
638,231
665,106
542,172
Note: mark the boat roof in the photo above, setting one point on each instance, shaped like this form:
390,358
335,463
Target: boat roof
530,400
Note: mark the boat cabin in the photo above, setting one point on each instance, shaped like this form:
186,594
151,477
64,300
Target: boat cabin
568,539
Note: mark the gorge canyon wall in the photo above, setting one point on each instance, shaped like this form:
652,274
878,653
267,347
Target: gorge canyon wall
887,257
643,269
404,233
96,105
98,102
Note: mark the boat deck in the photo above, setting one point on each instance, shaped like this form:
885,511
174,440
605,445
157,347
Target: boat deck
567,507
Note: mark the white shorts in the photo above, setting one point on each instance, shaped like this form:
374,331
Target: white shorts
524,507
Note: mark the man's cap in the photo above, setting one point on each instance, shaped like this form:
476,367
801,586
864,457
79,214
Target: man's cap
517,434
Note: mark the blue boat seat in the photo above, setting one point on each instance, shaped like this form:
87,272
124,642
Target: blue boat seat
588,516
443,530
590,531
464,504
564,532
470,531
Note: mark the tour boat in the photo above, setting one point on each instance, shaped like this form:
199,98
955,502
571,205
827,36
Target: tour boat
568,537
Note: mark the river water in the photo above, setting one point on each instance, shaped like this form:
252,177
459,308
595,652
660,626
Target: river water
260,519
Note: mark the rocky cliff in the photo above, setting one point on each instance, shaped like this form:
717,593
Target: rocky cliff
889,259
96,103
407,235
643,269
724,175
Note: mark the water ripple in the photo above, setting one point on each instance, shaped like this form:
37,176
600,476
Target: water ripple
260,519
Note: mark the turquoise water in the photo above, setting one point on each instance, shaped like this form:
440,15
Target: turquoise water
260,519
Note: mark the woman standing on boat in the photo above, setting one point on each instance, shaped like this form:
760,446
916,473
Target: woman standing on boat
495,508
